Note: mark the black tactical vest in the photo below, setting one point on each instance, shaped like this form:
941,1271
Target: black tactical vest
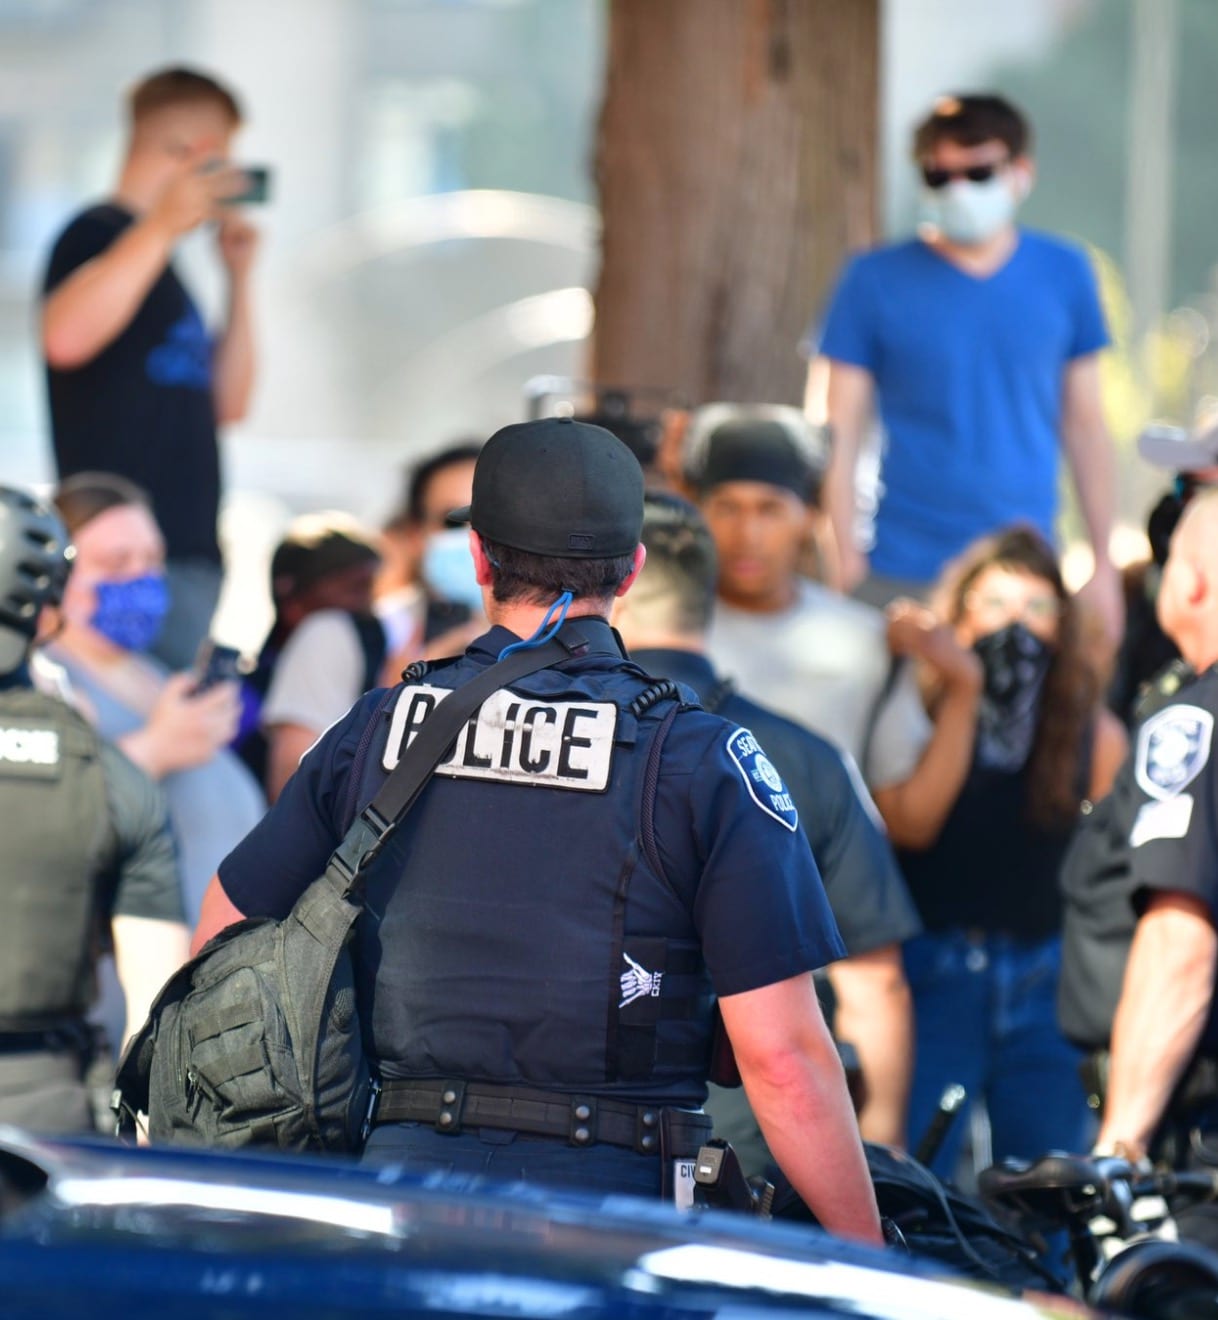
57,837
520,928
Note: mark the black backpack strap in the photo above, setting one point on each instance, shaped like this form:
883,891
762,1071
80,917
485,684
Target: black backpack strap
369,831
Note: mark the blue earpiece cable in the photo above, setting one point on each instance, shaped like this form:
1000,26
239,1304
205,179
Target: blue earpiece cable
546,629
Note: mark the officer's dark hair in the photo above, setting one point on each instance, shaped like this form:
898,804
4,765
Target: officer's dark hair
970,120
1058,779
82,497
413,507
177,86
519,577
682,567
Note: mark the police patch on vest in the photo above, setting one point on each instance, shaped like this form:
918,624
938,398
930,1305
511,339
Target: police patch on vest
762,779
29,751
1173,748
516,740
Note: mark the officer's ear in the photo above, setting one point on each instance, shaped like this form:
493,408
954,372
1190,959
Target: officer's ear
482,563
640,558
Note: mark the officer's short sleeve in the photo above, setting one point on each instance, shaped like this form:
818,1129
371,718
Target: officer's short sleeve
865,887
848,333
723,812
1173,844
288,849
145,867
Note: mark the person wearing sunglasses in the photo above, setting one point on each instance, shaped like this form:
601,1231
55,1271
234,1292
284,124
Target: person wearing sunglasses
977,341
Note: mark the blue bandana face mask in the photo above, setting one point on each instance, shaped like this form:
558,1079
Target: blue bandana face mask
448,568
130,613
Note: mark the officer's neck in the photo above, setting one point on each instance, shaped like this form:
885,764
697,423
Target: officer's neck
524,618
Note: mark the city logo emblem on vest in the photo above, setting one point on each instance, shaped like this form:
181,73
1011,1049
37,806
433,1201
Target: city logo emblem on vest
29,746
638,983
762,779
1173,749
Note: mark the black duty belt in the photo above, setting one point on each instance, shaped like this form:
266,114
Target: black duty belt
47,1041
450,1106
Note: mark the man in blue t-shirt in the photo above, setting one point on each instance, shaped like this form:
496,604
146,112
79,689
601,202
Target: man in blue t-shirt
979,342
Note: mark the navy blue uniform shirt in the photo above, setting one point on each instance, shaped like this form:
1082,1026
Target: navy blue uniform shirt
737,856
866,890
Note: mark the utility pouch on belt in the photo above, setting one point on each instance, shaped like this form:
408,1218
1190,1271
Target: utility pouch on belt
256,1040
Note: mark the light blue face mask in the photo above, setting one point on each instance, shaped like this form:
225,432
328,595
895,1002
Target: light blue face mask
966,212
448,568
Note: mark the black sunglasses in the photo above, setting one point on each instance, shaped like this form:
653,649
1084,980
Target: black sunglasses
936,179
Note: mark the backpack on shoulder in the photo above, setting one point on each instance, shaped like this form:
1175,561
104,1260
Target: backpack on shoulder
256,1040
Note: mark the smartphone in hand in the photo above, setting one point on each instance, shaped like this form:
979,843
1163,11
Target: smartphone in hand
218,664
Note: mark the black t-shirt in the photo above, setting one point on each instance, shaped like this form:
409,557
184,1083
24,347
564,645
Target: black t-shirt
991,868
1157,831
143,406
865,889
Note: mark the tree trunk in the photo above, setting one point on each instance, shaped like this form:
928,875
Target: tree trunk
736,165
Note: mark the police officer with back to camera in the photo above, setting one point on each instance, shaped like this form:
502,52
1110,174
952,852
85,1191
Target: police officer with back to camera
664,621
1141,886
592,863
86,846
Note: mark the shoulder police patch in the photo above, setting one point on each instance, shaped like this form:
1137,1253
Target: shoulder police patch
761,778
516,740
1173,749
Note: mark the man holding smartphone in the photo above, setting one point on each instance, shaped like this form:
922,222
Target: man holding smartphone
137,384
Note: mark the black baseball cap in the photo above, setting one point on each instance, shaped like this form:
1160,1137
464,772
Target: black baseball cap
559,488
770,443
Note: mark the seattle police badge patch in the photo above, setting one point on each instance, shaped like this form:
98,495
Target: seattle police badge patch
761,778
1173,748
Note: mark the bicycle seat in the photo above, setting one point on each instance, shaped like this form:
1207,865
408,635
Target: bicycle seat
1043,1184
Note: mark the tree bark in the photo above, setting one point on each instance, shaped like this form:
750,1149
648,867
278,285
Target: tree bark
736,164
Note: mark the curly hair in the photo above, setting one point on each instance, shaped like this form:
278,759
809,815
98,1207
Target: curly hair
1057,774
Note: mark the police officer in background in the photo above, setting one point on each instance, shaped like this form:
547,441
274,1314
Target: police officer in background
536,961
1141,885
87,854
663,621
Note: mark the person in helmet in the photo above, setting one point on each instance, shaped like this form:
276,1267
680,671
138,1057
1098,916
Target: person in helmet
88,857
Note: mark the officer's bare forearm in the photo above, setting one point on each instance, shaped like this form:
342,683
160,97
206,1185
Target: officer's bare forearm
217,913
916,809
1165,999
147,952
797,1090
97,302
875,1015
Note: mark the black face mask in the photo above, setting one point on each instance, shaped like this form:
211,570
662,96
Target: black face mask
1016,662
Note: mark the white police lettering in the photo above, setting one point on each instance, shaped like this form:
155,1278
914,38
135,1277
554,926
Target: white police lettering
516,740
29,746
762,779
638,983
1173,748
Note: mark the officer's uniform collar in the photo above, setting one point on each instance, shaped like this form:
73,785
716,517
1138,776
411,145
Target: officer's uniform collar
688,667
602,639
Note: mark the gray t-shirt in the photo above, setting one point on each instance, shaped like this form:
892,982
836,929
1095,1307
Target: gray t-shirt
824,663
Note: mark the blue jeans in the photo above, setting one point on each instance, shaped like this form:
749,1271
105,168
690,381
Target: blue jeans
985,1017
514,1157
194,589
